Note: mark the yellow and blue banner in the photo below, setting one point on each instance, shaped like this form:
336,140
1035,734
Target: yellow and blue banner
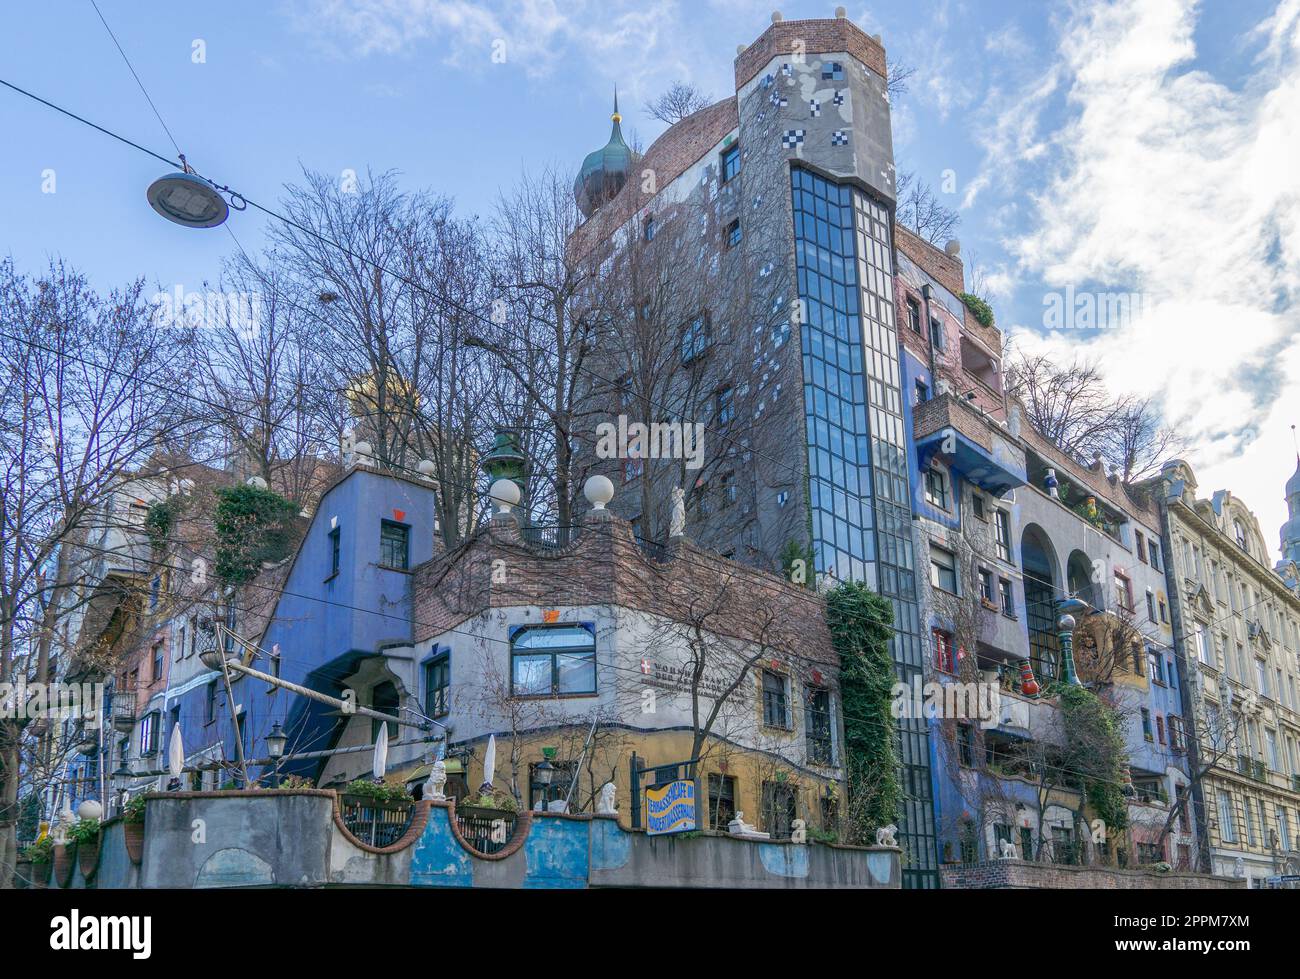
670,808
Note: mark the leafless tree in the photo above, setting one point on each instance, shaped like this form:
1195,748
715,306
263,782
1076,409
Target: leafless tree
679,101
84,402
542,330
920,210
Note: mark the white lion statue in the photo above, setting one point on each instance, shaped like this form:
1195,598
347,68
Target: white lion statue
607,806
1008,850
885,836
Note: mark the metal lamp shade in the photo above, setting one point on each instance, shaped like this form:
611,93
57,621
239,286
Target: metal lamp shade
188,200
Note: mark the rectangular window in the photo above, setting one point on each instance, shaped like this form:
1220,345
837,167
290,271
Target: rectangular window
922,393
1160,729
437,685
966,745
1153,554
986,586
155,587
775,703
1202,644
1141,545
1261,677
936,488
550,661
943,569
730,162
149,734
779,809
914,315
727,486
335,550
210,703
817,725
157,662
1227,824
1270,742
1007,599
1164,611
1176,733
1146,724
394,545
695,338
725,408
936,333
1123,592
1002,534
649,228
732,233
977,506
1151,606
722,800
945,659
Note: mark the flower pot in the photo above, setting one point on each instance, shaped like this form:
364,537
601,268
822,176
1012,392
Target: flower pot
133,836
40,875
63,865
88,857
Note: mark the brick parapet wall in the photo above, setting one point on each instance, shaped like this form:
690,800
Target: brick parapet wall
820,36
606,566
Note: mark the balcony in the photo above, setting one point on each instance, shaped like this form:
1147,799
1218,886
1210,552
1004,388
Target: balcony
964,438
122,711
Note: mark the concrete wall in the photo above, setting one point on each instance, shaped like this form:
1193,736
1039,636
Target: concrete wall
292,839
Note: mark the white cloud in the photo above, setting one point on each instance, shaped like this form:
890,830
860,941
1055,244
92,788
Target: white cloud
1164,180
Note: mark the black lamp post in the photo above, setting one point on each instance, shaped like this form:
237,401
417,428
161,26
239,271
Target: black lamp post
542,775
275,745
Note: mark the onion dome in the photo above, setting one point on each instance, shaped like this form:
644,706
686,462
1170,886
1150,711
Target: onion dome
604,171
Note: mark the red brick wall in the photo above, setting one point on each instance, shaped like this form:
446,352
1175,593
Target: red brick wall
818,36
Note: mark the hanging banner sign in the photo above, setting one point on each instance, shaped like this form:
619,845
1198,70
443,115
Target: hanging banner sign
670,808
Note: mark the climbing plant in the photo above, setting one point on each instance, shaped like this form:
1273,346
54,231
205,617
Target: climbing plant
861,624
1093,730
252,525
160,520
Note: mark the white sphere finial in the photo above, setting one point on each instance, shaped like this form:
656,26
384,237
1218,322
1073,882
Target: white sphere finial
598,490
505,493
841,13
776,17
427,468
90,809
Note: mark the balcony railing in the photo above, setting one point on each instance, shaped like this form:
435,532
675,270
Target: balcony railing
486,830
550,536
373,822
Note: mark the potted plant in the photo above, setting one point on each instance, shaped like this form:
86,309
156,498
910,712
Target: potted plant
39,854
85,835
133,828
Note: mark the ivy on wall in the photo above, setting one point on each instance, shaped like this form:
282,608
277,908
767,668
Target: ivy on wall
861,623
981,310
252,525
1093,730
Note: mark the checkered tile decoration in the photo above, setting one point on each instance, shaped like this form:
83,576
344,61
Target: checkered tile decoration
787,70
832,70
778,100
839,138
814,107
839,97
791,138
767,81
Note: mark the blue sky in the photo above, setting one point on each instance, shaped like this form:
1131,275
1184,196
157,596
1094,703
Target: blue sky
1100,146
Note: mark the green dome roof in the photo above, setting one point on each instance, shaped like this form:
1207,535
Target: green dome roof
604,171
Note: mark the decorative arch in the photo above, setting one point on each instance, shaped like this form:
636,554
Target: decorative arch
1042,586
1079,579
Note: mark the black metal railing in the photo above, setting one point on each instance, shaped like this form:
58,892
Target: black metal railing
653,549
486,830
550,536
375,823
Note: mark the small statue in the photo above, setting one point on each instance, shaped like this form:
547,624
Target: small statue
1008,850
738,827
436,781
677,519
606,806
885,836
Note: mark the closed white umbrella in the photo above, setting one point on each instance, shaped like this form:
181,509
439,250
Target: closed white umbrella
489,763
176,753
381,752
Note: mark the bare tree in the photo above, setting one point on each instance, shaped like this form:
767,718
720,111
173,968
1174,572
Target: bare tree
920,210
679,101
84,402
